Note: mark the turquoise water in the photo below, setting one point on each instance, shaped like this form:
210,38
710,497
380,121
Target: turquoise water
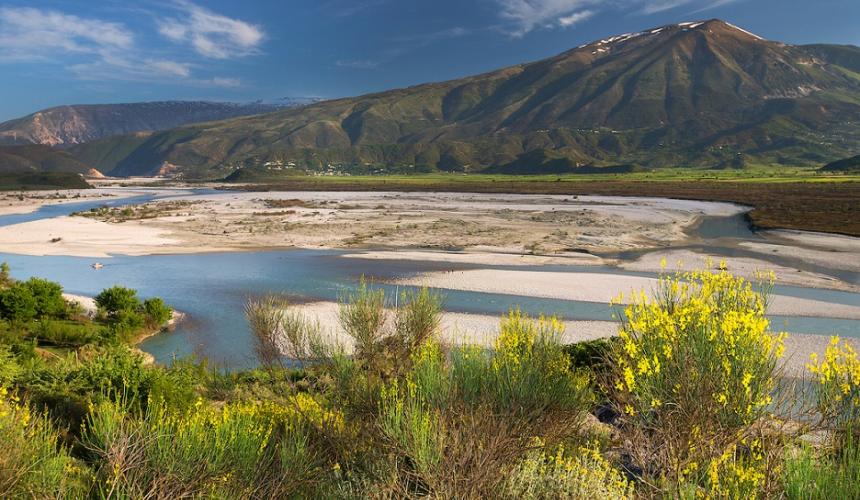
211,288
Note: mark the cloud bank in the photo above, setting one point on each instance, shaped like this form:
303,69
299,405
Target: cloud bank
109,50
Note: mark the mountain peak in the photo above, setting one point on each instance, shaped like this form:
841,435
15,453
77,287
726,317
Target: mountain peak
709,25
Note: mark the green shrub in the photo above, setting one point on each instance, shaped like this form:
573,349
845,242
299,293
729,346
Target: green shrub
156,311
822,474
124,324
68,333
453,417
527,373
9,366
362,316
244,450
5,278
178,385
67,386
17,303
117,299
837,385
48,297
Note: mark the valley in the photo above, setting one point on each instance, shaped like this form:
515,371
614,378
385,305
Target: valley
508,249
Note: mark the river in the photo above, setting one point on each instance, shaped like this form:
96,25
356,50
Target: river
212,287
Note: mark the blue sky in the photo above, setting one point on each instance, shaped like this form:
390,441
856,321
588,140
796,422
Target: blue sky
69,52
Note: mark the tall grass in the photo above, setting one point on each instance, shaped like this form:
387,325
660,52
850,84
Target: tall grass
819,474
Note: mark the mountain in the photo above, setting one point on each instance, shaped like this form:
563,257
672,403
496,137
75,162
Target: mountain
76,124
845,165
38,158
705,94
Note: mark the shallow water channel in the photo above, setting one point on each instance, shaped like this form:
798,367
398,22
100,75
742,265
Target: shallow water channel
211,288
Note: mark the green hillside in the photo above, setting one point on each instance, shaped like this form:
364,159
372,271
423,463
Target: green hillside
696,94
38,158
845,165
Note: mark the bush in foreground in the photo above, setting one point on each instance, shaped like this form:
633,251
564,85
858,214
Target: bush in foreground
32,464
695,367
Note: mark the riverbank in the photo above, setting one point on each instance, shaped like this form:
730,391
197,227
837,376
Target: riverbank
30,201
455,328
89,307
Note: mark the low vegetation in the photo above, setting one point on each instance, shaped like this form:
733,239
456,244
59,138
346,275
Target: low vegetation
688,402
781,198
136,212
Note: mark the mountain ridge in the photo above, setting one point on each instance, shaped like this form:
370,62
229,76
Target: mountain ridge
78,123
704,93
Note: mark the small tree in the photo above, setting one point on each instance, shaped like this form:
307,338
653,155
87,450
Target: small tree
48,296
5,278
156,311
17,303
114,300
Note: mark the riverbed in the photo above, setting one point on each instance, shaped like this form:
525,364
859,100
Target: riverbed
814,298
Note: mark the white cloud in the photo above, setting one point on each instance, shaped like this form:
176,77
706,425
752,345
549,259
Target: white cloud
182,70
29,33
130,68
219,81
357,63
211,34
576,17
660,6
94,49
526,15
714,4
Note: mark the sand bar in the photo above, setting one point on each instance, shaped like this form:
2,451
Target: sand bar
478,257
516,224
78,236
687,260
596,287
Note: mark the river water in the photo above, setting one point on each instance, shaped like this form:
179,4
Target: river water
212,287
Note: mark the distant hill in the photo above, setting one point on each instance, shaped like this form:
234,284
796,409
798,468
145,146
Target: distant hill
705,94
76,124
37,158
41,181
845,165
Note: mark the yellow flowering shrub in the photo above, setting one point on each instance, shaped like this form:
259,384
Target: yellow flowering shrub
737,475
216,449
530,369
583,474
702,341
838,383
32,465
412,426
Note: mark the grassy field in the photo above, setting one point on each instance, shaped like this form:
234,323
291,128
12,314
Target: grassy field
784,198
